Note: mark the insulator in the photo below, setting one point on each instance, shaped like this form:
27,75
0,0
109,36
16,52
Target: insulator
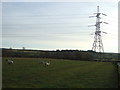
104,14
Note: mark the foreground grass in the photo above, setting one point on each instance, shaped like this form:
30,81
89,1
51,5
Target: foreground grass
27,73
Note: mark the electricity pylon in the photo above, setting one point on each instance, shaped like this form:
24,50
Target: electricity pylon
97,44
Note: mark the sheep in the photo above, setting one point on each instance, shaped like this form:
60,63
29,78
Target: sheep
44,63
47,63
9,61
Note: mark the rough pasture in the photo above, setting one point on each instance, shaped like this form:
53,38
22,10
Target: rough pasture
28,73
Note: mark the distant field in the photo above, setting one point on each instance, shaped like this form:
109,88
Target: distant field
28,73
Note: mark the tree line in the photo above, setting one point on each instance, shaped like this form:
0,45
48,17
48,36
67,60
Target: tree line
58,54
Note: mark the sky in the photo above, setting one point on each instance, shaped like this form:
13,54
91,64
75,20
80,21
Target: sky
57,25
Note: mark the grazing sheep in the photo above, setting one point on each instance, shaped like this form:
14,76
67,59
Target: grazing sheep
47,63
9,61
44,63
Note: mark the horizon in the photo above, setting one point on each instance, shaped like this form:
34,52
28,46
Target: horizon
54,49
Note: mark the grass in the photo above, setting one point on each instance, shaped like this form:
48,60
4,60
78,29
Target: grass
27,73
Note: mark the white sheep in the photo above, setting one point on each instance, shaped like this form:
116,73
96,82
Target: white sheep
47,63
44,63
9,61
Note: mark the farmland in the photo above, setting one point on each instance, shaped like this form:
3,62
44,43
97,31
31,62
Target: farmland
28,73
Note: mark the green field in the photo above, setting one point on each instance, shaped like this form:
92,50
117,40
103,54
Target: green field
28,73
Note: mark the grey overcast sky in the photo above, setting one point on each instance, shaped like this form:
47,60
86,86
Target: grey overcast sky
57,25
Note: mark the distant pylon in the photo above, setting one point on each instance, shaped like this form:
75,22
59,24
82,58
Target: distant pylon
97,44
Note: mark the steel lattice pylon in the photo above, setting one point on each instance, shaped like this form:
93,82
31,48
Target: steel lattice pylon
97,44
